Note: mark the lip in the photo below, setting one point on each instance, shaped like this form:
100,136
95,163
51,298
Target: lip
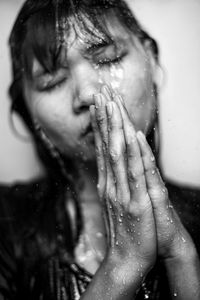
88,130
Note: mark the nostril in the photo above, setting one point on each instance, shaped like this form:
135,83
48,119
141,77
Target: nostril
81,109
81,103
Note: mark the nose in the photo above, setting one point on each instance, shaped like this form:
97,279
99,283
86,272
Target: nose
86,84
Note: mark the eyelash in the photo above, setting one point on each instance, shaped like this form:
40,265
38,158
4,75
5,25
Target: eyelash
52,86
108,62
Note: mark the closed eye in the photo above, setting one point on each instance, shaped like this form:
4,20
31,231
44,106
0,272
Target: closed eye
49,81
110,61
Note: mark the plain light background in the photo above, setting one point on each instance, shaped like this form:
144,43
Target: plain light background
176,26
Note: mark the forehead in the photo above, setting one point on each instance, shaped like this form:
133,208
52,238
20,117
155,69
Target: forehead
93,35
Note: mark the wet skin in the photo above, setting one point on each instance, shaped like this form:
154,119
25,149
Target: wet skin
60,101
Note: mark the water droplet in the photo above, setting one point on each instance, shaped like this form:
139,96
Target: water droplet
99,234
153,172
117,243
98,186
183,240
171,221
175,295
164,190
152,158
96,67
138,219
116,75
146,296
139,243
120,220
137,186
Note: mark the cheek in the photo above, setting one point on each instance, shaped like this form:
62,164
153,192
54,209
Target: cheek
139,98
55,117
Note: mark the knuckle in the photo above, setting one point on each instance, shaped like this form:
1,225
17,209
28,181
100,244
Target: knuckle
104,145
159,192
98,151
131,176
100,119
110,194
134,175
114,155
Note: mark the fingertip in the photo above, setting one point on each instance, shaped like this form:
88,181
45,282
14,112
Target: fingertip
109,108
92,109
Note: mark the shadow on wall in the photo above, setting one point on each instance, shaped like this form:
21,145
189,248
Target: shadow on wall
176,27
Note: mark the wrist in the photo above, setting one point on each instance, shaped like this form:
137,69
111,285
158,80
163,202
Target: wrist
183,253
133,268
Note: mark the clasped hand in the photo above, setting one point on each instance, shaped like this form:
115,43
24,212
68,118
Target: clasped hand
141,222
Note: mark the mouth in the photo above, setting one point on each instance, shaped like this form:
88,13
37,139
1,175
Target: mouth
88,130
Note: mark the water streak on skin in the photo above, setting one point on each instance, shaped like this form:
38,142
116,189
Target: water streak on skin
116,76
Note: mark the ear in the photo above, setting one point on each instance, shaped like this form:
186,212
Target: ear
157,72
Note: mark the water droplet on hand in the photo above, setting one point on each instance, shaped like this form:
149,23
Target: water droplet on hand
120,220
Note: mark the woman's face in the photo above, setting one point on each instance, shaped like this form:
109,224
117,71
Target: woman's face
60,102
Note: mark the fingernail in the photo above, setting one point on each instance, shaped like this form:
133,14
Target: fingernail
109,108
98,100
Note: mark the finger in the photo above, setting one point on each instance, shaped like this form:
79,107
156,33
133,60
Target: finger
99,154
116,150
106,91
135,166
101,120
155,185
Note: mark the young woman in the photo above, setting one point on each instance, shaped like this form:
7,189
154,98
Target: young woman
101,224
